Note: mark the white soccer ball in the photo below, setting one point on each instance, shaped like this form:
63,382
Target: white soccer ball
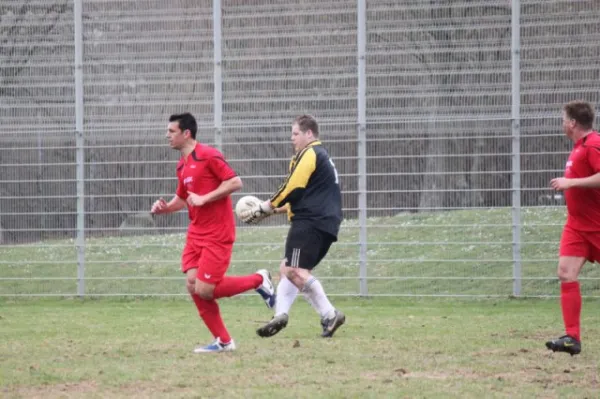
246,203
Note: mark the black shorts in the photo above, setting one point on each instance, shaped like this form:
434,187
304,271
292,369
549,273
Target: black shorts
306,245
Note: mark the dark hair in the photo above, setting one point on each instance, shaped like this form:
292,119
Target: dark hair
306,123
581,112
186,122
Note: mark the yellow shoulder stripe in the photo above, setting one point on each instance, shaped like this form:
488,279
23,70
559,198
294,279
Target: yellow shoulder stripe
305,164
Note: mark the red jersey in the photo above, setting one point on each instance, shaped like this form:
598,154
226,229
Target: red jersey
583,204
202,172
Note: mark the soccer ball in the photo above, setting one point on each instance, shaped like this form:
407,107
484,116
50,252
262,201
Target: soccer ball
246,203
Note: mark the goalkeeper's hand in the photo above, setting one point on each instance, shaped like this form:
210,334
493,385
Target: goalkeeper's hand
257,213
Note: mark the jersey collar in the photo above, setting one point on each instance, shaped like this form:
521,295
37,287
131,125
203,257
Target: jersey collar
193,154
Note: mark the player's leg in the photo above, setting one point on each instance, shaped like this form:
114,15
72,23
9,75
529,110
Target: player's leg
286,293
330,325
211,315
212,283
189,265
305,258
570,300
234,285
305,247
331,318
574,250
208,308
286,289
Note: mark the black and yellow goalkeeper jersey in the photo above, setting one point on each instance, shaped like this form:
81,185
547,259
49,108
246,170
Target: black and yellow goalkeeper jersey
312,190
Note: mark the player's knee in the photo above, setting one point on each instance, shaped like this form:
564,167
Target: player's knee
204,293
289,272
565,274
190,284
298,276
282,266
284,271
190,288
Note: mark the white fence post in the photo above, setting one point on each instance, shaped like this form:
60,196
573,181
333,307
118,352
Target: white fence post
79,143
362,143
516,146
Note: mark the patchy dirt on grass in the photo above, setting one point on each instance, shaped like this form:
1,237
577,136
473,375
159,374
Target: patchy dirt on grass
90,389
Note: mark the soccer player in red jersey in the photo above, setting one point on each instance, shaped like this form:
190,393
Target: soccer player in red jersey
580,241
205,183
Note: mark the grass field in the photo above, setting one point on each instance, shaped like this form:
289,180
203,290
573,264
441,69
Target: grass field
389,348
439,253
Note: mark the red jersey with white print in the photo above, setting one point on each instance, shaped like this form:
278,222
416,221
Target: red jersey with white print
583,204
202,172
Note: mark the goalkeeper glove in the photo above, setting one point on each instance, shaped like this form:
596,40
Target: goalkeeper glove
257,213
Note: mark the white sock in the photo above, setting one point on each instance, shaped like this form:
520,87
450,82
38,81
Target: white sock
318,299
286,295
308,298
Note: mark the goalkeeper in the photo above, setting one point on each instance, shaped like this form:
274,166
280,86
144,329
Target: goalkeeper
311,196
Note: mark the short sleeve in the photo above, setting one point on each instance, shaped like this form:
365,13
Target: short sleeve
593,157
181,192
221,169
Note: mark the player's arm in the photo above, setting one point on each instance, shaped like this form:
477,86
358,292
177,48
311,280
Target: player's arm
281,209
230,182
593,181
291,190
589,182
294,185
225,188
162,206
563,183
260,211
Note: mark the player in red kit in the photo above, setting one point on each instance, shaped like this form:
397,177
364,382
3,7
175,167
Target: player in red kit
205,183
580,241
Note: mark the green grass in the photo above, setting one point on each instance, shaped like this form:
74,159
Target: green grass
439,253
390,348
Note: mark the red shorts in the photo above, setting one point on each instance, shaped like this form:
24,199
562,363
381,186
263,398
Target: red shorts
211,259
584,244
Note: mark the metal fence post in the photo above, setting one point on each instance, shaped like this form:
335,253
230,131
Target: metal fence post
218,77
362,143
79,143
516,145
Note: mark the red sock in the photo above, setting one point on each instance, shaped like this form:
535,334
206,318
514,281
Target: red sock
234,285
570,300
211,315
